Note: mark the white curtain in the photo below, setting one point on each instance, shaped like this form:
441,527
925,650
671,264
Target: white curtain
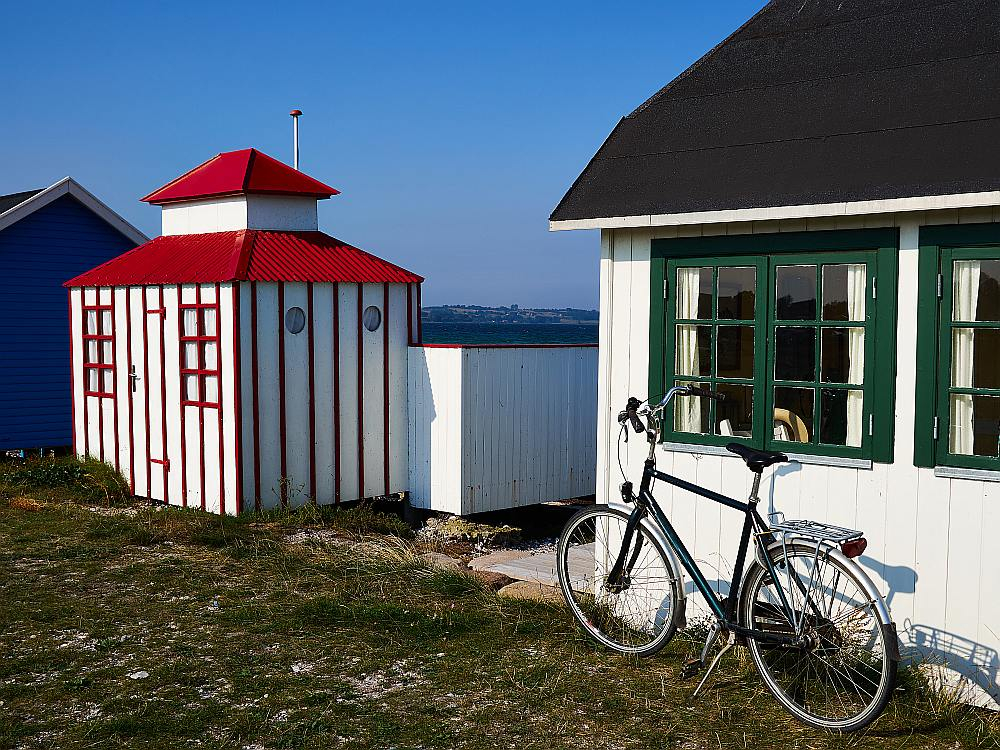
856,286
966,291
190,321
687,411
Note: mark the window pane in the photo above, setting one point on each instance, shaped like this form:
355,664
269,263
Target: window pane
841,417
693,345
106,322
191,355
107,377
976,290
737,293
91,351
691,413
844,289
694,293
92,379
208,320
191,387
734,351
794,353
91,322
793,414
975,424
975,358
106,352
734,415
210,360
843,355
795,292
190,318
211,388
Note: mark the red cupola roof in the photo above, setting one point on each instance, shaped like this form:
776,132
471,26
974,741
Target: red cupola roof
239,173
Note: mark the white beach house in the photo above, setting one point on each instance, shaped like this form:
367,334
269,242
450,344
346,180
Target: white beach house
808,220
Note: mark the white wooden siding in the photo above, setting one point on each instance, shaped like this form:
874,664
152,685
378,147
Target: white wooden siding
117,430
494,428
930,538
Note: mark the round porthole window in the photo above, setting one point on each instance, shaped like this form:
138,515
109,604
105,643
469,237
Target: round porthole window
295,320
371,318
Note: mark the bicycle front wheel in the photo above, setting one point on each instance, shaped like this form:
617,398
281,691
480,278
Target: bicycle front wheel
638,612
843,673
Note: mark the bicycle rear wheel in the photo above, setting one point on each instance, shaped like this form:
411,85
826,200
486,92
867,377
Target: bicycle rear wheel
638,614
844,673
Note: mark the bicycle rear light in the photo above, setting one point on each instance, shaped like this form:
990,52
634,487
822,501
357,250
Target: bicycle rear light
854,547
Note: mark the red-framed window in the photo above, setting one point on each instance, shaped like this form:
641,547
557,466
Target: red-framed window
200,354
98,351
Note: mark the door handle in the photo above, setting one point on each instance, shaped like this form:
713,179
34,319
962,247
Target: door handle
132,377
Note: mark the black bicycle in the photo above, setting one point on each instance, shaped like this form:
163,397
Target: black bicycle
817,628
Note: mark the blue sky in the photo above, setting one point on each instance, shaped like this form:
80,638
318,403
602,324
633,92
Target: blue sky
452,128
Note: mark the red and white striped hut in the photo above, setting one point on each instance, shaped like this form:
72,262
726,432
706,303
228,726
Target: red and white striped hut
244,359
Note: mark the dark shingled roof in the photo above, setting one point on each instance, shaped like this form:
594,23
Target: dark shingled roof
813,101
7,202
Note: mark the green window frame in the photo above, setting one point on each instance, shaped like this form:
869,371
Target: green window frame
940,329
766,254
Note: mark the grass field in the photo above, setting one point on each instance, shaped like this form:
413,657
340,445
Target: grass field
140,627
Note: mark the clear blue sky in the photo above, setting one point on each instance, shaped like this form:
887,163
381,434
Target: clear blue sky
452,128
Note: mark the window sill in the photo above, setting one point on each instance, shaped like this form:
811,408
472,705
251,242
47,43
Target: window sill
801,458
957,472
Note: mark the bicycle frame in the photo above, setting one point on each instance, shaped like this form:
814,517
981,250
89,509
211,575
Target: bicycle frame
724,611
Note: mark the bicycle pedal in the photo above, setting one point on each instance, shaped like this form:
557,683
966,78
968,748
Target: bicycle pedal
691,668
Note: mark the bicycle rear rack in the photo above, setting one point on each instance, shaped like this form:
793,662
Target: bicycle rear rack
814,530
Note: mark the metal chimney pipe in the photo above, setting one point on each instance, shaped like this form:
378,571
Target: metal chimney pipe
295,113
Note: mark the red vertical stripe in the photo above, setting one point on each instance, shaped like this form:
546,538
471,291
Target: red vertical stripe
237,398
129,380
218,364
336,393
420,322
361,396
282,434
72,367
256,400
201,409
163,394
100,387
146,386
385,386
183,408
312,394
114,373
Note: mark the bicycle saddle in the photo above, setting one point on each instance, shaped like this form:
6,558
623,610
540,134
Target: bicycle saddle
756,460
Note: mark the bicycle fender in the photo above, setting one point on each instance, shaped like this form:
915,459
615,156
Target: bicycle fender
871,590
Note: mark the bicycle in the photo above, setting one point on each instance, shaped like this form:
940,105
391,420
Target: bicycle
816,627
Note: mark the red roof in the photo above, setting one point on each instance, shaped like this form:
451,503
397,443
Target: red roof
244,255
237,173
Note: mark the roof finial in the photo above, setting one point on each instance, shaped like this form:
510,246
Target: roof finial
295,113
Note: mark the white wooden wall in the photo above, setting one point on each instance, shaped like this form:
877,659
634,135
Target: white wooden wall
501,427
323,437
139,431
931,539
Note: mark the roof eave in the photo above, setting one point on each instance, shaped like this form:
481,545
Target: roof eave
774,213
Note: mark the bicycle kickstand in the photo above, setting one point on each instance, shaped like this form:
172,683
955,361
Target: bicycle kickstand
715,662
694,666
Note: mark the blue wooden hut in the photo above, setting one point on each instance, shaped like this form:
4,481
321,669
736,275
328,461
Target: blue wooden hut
46,236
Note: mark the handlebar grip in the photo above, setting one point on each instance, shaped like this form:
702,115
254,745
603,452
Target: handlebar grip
637,424
629,414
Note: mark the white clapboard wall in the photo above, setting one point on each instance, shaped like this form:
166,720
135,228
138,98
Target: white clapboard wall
320,414
501,427
324,410
930,538
182,456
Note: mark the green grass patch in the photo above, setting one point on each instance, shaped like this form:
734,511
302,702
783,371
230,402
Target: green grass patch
164,628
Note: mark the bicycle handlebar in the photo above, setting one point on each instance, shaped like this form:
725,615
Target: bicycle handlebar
631,411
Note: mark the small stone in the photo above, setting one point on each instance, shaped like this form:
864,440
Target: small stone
531,591
141,675
441,561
